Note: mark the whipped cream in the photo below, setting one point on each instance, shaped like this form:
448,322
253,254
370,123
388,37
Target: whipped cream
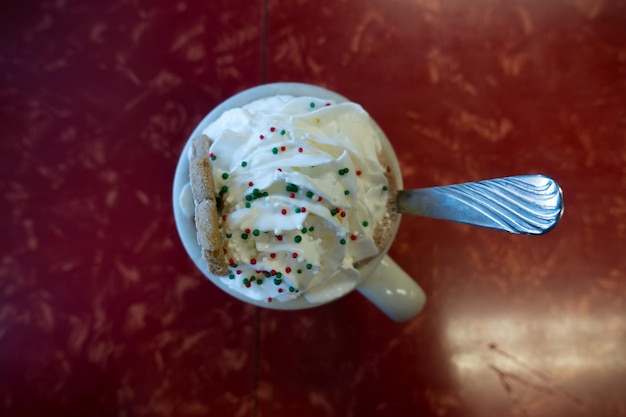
301,190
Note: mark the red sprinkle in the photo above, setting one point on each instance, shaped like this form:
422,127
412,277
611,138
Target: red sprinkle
302,209
288,269
269,299
292,195
280,290
224,217
272,255
238,272
273,272
319,198
250,183
294,255
231,261
283,212
272,129
248,231
253,261
327,104
300,150
280,169
358,173
283,148
248,285
279,237
261,137
353,237
343,214
225,250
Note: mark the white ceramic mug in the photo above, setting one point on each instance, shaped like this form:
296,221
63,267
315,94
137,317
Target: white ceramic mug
382,281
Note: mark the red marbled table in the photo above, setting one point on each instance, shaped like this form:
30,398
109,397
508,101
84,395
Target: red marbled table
103,314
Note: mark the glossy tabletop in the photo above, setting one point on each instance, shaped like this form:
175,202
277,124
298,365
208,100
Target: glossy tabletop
103,314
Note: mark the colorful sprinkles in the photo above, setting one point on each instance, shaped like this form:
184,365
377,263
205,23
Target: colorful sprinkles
294,192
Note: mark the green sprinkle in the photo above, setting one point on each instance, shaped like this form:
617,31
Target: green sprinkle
259,281
292,188
267,274
224,189
291,289
244,164
309,194
282,132
304,230
244,236
333,212
278,281
342,241
343,171
365,224
279,275
256,232
213,157
245,281
252,278
225,175
274,151
312,105
346,192
265,194
229,235
298,210
311,228
231,276
298,239
247,205
385,188
309,266
255,191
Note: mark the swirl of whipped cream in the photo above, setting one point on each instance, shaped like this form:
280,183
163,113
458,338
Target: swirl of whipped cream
301,190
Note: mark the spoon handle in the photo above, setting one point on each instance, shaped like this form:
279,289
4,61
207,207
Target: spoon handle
524,204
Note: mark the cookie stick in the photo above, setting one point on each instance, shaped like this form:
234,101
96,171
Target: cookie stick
206,216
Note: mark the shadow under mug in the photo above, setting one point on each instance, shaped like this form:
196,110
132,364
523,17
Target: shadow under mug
382,281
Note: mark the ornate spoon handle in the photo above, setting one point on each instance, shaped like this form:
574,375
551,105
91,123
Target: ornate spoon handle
525,204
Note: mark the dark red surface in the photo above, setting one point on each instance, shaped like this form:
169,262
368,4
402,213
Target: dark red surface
102,314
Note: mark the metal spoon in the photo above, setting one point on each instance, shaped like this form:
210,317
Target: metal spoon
524,204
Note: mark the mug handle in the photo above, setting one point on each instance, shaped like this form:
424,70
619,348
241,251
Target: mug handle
393,291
